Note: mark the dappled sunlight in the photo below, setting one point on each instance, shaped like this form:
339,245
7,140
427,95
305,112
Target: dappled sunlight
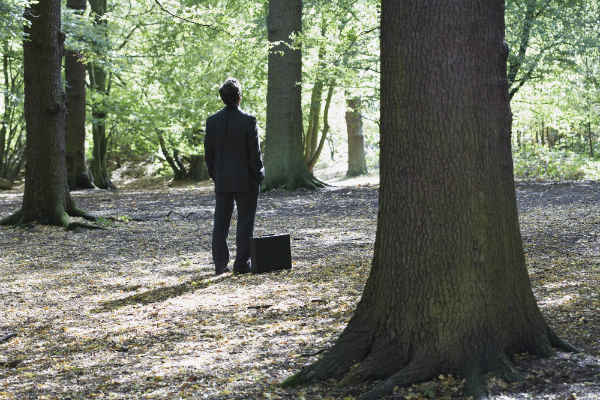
551,302
136,310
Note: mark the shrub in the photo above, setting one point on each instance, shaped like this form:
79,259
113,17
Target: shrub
556,165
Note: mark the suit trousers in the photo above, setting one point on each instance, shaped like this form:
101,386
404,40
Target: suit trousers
246,212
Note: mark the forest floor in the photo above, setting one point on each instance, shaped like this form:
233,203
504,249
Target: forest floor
134,311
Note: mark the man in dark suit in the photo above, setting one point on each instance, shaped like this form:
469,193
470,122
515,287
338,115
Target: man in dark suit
234,161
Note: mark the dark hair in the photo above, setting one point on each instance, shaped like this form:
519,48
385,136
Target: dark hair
231,92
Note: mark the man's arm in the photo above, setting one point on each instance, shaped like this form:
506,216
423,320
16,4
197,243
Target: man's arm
255,162
209,151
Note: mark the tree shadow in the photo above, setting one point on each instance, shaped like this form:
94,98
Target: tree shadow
162,293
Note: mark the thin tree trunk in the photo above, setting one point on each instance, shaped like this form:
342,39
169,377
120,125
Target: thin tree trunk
316,100
544,134
448,290
78,176
324,134
5,115
179,171
46,197
590,139
310,145
516,62
357,165
284,161
98,80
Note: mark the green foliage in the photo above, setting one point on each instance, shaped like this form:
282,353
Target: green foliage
166,71
542,164
165,64
11,19
12,124
545,34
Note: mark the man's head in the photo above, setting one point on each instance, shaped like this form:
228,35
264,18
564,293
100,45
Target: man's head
231,92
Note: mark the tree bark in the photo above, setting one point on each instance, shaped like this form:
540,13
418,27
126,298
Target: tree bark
46,197
284,161
448,290
98,80
78,176
357,165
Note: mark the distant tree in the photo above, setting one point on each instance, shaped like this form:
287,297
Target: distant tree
46,198
12,127
357,164
78,176
448,290
312,144
100,84
340,42
284,161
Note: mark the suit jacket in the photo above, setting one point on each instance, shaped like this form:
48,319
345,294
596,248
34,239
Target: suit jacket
232,151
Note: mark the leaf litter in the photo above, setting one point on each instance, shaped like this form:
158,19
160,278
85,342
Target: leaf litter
134,311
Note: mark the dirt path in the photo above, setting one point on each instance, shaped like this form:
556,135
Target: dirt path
134,311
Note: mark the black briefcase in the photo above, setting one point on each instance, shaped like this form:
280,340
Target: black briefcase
270,253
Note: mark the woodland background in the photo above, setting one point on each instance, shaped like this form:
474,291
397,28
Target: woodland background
154,69
131,310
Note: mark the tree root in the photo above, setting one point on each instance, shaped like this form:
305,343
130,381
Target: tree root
327,367
306,181
475,384
505,370
317,182
74,226
379,364
13,219
358,360
350,349
77,212
543,347
560,344
16,219
416,371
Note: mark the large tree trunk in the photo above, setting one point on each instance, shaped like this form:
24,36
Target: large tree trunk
99,82
284,161
46,198
78,176
357,165
448,290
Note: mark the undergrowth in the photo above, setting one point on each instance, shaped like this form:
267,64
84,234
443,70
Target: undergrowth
542,164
